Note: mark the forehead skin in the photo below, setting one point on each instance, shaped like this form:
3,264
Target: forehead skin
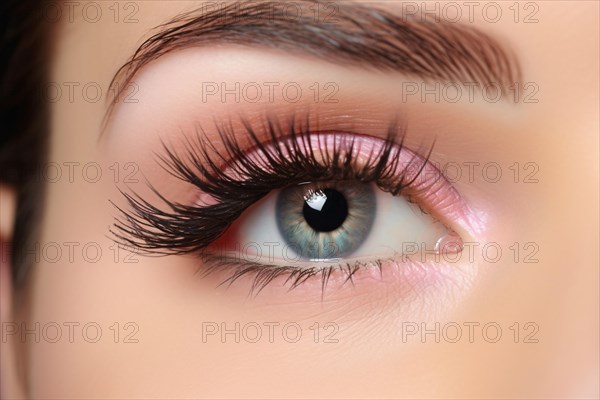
559,54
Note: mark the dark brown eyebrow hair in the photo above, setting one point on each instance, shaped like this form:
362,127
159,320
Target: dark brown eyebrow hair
354,34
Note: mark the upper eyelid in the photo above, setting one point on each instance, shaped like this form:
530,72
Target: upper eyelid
417,174
380,41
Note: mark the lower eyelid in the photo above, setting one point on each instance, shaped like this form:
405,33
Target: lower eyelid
407,278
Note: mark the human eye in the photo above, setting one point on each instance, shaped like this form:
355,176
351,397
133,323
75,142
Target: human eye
298,203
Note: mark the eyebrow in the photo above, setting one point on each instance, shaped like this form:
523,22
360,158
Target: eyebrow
351,34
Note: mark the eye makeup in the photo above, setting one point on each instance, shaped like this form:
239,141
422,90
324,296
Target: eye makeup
230,180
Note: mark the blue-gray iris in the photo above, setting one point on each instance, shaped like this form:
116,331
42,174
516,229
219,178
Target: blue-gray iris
326,220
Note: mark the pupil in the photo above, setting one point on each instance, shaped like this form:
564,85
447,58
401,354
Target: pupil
325,210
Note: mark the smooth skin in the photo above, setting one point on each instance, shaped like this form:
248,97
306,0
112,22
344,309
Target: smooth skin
170,308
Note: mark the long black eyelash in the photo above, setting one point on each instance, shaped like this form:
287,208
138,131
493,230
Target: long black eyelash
177,228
